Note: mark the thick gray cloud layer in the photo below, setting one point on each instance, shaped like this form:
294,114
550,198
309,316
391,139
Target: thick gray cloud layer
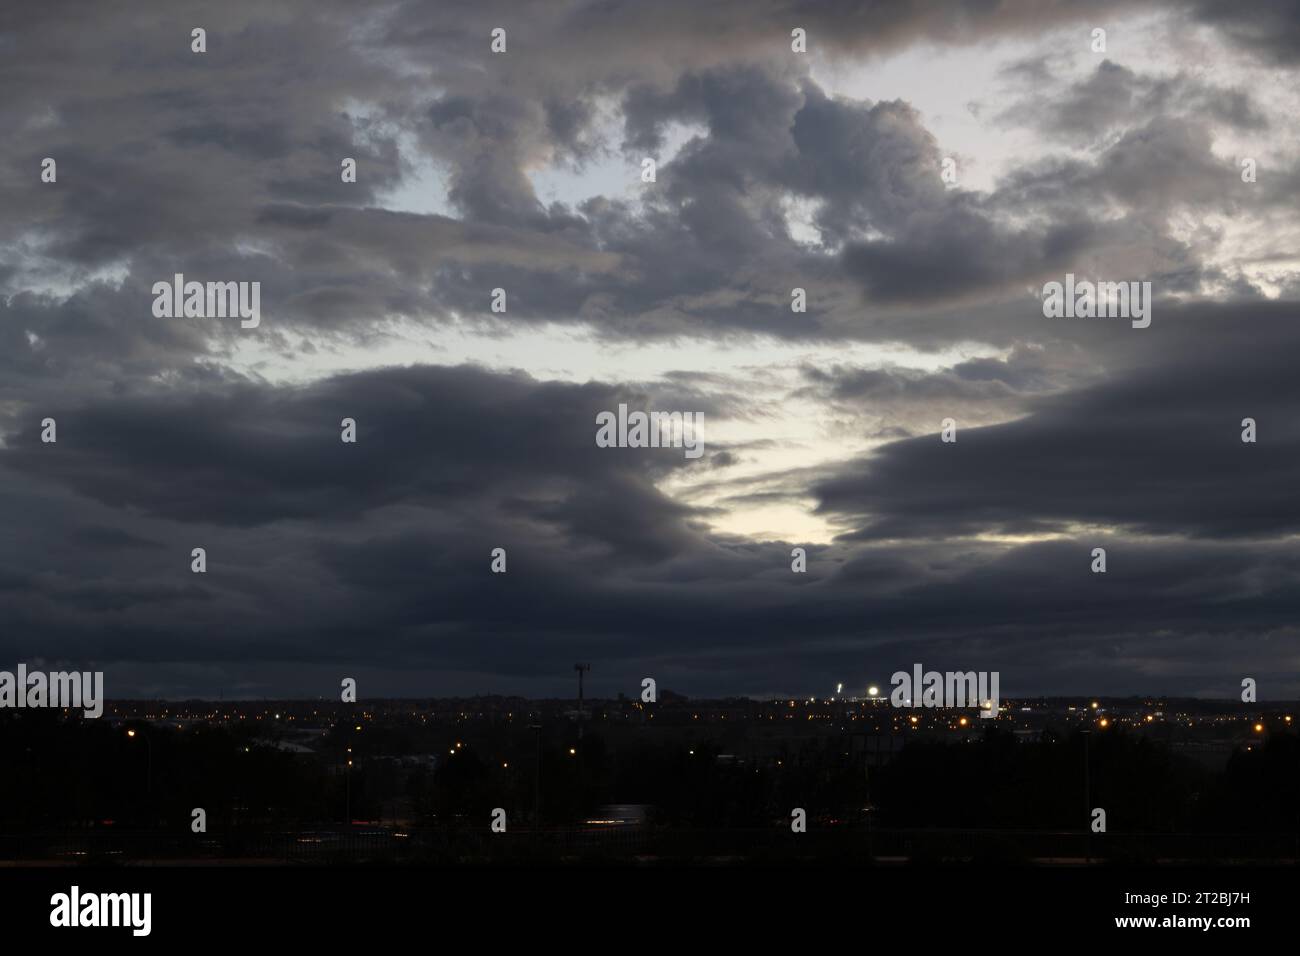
328,559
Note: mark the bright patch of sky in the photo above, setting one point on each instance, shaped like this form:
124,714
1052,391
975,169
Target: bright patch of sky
610,172
423,187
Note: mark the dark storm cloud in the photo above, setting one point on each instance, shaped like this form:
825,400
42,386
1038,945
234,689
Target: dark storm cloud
962,252
1270,27
903,402
1157,451
250,454
603,37
1149,169
313,551
1116,97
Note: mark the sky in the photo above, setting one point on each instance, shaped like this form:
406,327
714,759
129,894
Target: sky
775,169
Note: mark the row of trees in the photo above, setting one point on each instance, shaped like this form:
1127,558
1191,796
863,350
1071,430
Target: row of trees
83,773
